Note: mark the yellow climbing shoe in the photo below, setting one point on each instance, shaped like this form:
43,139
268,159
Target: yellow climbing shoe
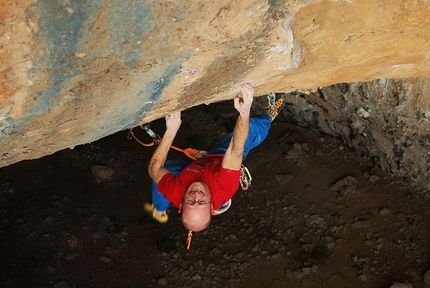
160,216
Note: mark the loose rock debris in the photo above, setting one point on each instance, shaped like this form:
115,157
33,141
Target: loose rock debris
336,222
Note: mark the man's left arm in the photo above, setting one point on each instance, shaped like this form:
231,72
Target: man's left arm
234,155
156,168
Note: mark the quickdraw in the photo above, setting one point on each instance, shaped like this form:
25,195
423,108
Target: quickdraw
155,137
245,178
189,237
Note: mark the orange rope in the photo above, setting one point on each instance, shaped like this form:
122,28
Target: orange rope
190,152
144,144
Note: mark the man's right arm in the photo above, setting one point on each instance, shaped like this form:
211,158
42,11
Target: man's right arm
156,168
233,157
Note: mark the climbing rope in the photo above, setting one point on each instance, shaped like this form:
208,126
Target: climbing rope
191,153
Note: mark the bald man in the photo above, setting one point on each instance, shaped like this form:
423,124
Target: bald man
200,187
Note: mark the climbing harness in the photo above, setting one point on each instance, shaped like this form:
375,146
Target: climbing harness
194,154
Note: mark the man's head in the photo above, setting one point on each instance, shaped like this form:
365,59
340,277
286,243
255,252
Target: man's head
197,207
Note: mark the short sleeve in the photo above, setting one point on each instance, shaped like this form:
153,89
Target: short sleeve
171,188
228,183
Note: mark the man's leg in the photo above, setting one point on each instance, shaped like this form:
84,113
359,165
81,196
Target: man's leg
258,130
159,204
258,126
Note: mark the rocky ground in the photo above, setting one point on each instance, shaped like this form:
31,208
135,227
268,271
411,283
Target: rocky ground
317,215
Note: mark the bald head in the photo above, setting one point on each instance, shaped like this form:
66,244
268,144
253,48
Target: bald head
197,217
197,207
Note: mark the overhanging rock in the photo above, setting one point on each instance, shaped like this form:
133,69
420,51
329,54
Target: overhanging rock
75,71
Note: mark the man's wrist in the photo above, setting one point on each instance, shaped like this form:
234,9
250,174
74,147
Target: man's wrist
170,133
245,115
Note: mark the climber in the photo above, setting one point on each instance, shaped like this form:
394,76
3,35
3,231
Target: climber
198,188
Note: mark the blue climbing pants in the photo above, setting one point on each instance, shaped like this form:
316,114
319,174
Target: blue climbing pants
258,130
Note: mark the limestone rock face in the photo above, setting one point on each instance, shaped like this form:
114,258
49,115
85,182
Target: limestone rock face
387,121
75,71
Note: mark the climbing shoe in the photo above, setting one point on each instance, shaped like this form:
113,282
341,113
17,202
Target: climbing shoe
160,216
275,104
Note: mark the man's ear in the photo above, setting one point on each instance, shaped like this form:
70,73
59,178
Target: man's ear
180,208
212,209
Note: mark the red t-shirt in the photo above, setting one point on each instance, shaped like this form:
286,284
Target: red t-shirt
223,183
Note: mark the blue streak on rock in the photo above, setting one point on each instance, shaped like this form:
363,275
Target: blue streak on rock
63,27
139,22
273,2
45,97
155,88
6,126
61,30
127,24
64,31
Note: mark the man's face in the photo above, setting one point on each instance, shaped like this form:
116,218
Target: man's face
196,207
197,192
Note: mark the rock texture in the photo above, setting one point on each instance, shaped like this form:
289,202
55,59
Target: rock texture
75,71
388,121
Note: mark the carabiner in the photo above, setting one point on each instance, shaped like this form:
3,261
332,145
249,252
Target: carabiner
245,178
155,137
